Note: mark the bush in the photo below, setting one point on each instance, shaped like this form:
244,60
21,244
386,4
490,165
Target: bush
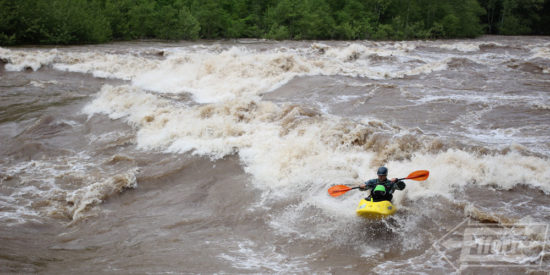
7,40
173,24
278,32
450,25
384,32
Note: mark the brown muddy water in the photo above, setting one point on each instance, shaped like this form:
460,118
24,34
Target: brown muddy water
216,156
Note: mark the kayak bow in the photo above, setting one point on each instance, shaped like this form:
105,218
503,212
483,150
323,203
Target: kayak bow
375,210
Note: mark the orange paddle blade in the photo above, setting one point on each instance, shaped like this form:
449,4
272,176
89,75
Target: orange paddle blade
419,175
338,190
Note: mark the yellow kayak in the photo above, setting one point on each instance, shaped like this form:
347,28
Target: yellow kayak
375,210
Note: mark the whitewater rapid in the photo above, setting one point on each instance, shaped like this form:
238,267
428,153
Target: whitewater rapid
297,118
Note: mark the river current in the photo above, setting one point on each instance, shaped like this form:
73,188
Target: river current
216,156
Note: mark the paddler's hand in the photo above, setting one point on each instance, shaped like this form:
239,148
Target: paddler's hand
393,179
362,186
400,185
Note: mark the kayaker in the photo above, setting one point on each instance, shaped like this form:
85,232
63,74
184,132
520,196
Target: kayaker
381,188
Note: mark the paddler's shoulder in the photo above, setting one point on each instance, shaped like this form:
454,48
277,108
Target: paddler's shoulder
372,181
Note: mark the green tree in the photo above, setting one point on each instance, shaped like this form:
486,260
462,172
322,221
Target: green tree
468,13
451,25
141,19
8,19
278,32
315,21
61,22
354,20
518,17
282,19
212,17
492,8
117,12
174,24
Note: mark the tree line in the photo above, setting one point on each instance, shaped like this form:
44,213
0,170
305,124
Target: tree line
98,21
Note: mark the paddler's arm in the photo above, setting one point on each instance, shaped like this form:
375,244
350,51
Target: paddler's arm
367,185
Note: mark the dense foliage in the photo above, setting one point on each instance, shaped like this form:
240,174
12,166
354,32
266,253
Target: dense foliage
96,21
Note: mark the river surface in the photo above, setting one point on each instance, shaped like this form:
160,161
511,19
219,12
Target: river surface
216,156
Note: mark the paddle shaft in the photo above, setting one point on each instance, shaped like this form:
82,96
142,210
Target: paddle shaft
407,178
339,190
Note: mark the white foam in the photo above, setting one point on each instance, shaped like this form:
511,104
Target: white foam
281,148
541,52
253,257
240,72
99,64
95,193
251,128
39,195
461,46
214,75
20,60
120,66
494,99
455,169
42,84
